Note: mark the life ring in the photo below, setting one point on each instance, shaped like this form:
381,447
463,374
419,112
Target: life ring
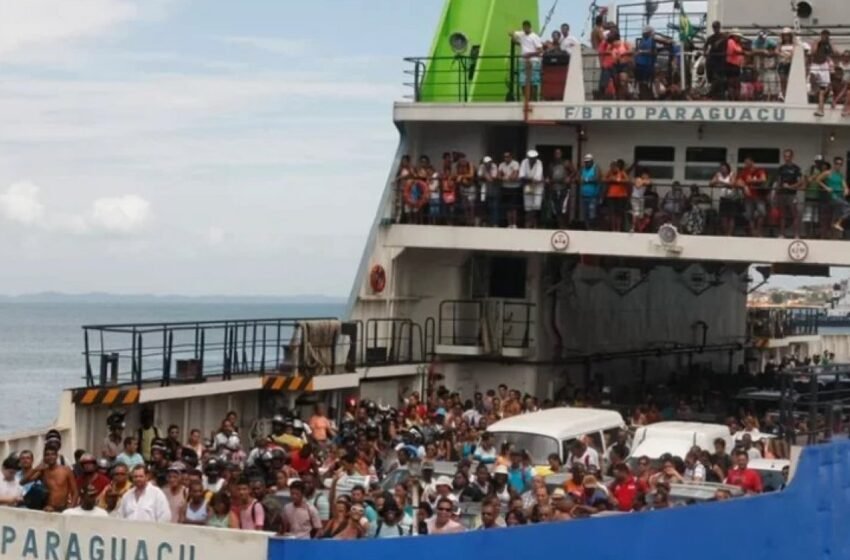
378,279
449,191
416,193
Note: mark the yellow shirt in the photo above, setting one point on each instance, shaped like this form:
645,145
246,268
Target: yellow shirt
289,441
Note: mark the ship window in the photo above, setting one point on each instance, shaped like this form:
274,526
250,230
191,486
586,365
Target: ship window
766,158
702,163
507,278
658,160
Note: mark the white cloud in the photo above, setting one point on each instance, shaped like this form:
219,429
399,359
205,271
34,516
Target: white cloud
123,214
20,203
29,26
274,45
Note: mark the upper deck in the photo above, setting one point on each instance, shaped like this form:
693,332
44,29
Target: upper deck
487,79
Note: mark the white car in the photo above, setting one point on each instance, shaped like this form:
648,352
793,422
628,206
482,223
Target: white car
772,472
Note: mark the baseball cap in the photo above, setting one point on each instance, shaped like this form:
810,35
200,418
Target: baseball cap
501,469
427,465
558,493
648,29
444,481
787,31
488,159
588,157
532,154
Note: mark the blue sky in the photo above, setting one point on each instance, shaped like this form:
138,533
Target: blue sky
179,146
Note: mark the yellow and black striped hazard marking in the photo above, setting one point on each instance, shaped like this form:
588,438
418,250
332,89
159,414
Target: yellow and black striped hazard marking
107,397
288,383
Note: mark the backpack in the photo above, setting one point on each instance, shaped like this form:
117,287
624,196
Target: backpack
381,524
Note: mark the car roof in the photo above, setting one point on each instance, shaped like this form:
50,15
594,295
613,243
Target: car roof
560,423
676,427
768,464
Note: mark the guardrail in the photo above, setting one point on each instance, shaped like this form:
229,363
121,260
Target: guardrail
783,322
191,352
491,325
672,74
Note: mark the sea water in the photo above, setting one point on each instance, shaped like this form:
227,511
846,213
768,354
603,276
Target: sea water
41,345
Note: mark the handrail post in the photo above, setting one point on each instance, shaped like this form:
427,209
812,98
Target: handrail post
89,375
263,353
201,356
417,93
140,368
133,376
165,373
253,347
512,81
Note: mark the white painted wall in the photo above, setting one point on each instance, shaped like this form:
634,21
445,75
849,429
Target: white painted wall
31,534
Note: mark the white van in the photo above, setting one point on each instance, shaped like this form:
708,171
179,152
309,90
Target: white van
677,438
556,429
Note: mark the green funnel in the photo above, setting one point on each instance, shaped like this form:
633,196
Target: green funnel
480,71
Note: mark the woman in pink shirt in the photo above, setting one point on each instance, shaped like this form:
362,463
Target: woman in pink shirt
734,64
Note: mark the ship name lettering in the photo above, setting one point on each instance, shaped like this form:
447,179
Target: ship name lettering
679,114
50,545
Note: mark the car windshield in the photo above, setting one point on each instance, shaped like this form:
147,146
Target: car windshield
771,480
538,447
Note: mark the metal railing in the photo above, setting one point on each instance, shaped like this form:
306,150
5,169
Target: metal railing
475,78
459,323
488,205
191,352
394,341
489,324
822,394
671,74
518,320
782,322
462,78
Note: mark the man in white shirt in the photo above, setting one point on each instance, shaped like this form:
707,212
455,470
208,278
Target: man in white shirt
531,46
568,41
11,493
531,175
145,502
584,454
87,508
511,193
488,180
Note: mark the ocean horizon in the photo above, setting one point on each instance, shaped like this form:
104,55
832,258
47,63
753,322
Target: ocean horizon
41,340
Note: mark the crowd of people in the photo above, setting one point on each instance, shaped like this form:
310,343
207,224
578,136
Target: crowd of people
791,202
323,479
727,65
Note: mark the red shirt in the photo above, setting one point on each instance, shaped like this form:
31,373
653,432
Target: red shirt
301,464
734,54
625,493
756,180
748,479
99,482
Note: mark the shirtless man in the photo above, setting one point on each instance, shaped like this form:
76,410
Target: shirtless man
59,480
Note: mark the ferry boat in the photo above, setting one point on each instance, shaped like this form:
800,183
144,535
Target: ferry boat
565,307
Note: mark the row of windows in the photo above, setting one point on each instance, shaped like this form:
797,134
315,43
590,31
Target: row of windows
700,163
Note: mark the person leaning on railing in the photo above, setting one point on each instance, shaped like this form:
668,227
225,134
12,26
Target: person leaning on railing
488,181
833,182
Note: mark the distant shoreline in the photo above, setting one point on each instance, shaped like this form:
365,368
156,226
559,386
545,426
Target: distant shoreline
308,299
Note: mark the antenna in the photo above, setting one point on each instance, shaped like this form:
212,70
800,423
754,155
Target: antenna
548,17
